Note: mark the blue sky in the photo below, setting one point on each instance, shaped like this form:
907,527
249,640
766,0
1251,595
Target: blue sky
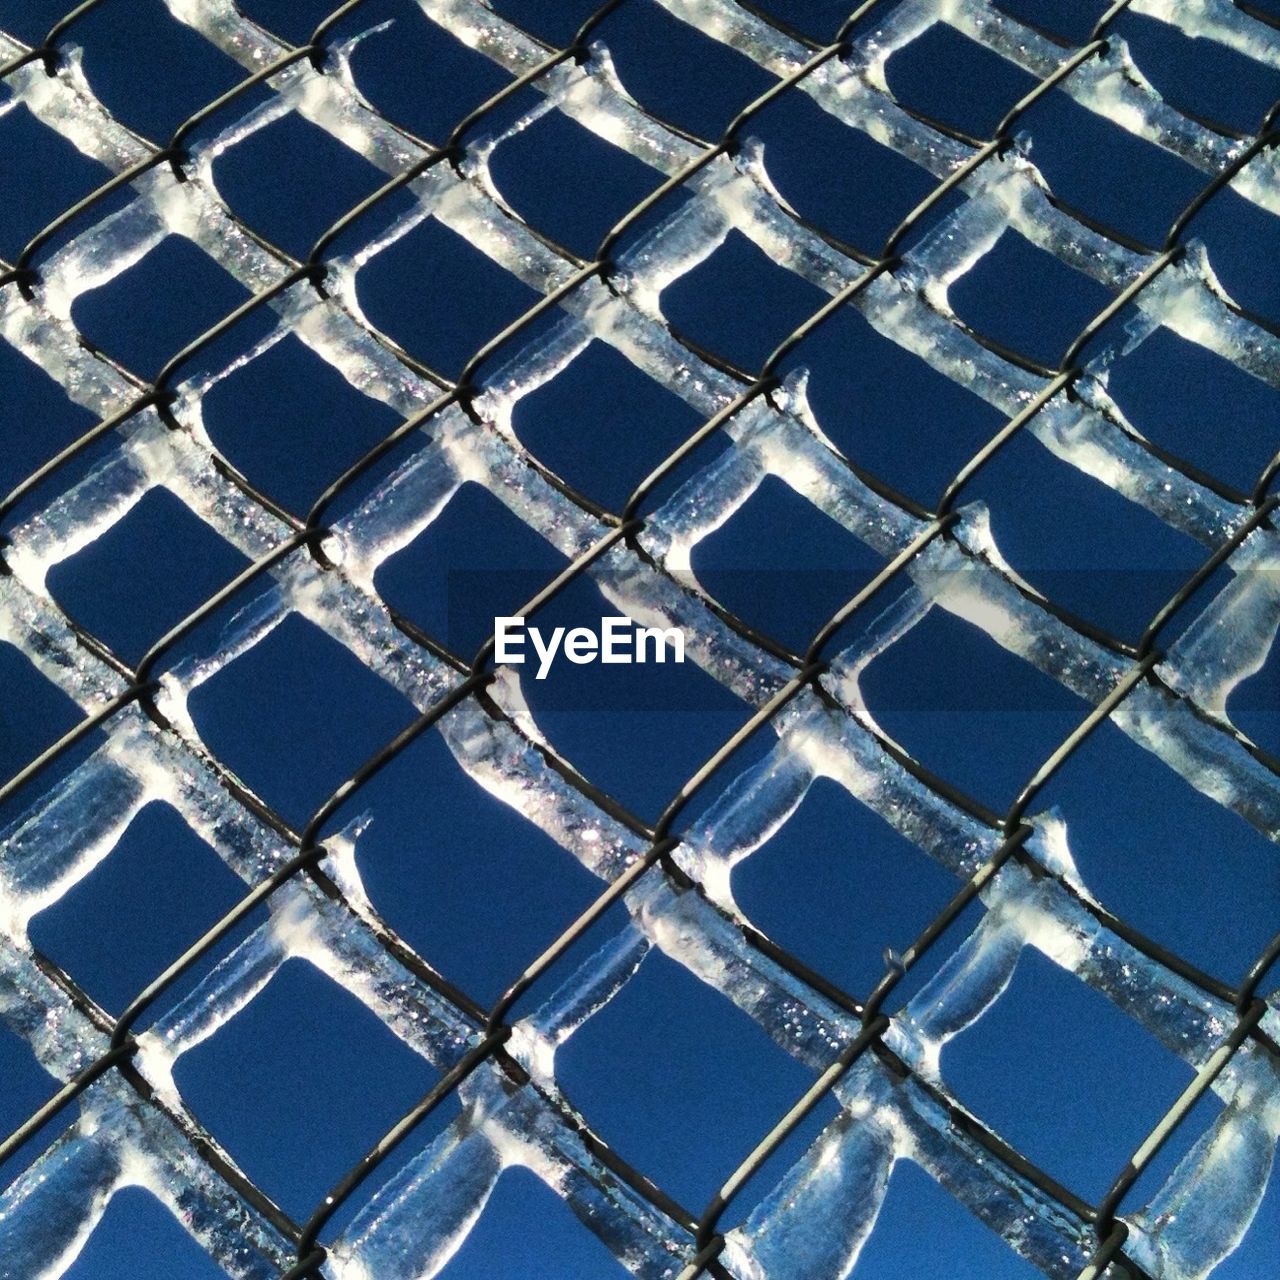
681,1083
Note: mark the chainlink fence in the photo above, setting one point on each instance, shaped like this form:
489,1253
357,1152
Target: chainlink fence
875,1056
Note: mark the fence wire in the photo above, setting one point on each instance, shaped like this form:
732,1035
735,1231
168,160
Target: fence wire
866,1054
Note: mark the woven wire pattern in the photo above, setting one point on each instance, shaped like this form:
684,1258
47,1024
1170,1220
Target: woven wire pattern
875,1058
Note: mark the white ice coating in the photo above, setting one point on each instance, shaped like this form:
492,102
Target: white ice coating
809,1221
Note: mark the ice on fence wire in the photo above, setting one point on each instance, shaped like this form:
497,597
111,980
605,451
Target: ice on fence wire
812,1219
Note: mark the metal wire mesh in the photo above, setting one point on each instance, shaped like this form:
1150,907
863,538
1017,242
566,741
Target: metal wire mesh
456,428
